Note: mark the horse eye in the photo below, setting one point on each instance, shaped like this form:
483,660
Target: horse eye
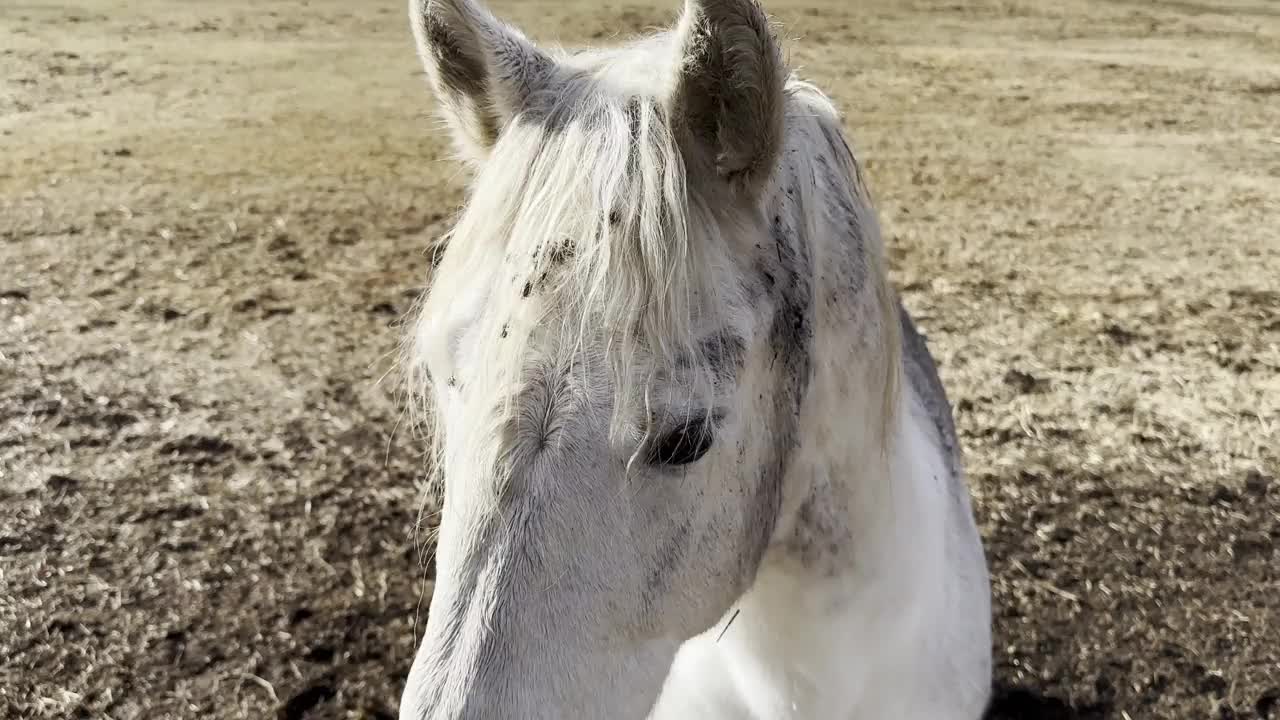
685,445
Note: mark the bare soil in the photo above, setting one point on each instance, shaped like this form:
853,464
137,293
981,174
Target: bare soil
214,216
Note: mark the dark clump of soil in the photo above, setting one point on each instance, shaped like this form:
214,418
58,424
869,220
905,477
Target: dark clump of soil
300,704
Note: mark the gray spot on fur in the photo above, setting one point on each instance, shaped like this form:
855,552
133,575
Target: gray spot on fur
723,354
822,539
562,253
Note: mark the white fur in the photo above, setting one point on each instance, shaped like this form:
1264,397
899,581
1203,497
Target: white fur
903,634
576,577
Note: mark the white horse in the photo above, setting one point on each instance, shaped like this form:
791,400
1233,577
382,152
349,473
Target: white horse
697,461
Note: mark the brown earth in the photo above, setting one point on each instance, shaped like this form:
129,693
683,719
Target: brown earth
213,217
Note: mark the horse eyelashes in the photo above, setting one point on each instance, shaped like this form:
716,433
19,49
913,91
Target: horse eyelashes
685,445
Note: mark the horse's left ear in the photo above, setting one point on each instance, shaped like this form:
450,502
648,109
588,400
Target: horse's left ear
482,70
729,88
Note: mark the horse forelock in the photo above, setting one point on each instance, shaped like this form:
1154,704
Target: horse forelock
585,205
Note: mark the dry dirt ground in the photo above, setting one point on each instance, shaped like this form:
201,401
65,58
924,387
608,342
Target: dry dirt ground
213,216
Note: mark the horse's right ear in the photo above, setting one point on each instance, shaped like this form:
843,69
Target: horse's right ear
481,69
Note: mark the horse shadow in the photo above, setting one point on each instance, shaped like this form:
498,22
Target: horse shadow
1010,702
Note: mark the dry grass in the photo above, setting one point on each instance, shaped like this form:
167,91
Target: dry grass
212,216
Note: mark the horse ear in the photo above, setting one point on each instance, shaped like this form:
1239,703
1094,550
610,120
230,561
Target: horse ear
482,70
729,87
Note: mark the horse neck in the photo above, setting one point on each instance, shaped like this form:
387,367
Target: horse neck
855,534
853,410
